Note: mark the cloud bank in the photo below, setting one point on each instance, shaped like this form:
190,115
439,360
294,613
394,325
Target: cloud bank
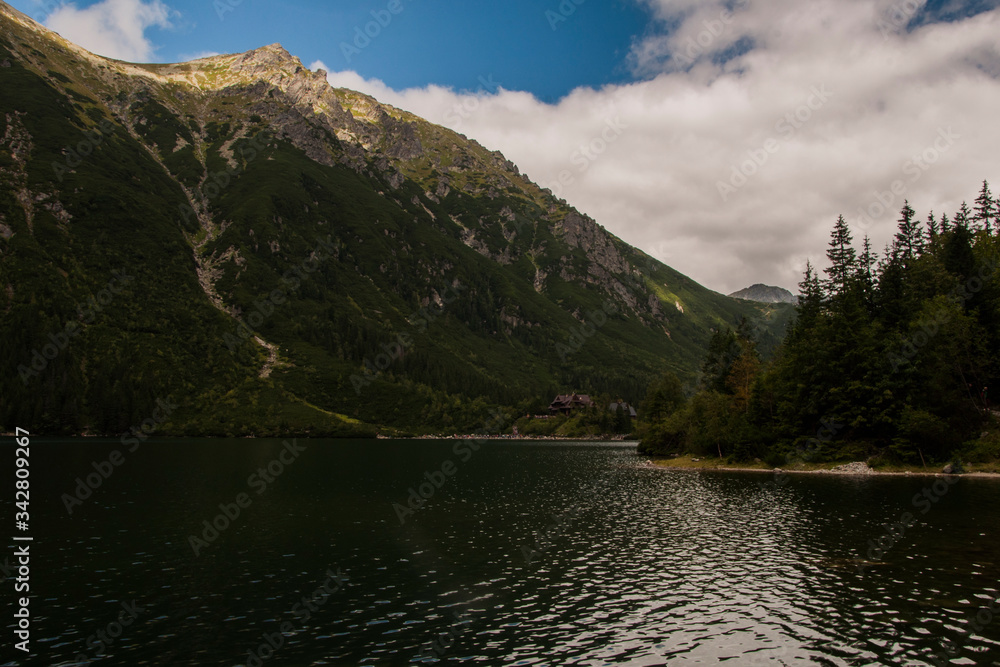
112,28
751,126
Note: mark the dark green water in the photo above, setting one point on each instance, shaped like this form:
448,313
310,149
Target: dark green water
628,565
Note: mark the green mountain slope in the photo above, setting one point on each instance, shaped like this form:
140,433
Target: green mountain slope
279,256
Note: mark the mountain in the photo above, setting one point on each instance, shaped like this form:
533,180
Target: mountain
766,294
236,239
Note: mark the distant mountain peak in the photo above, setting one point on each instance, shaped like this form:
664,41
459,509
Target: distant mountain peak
765,294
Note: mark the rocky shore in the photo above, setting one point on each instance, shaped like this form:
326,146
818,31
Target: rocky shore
854,468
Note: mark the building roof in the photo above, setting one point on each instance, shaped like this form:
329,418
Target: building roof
623,405
565,401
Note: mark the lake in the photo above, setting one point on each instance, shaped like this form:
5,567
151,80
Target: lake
264,552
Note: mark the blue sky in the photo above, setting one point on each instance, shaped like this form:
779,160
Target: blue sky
445,42
723,137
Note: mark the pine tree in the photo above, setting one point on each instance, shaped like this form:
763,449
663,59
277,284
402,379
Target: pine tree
985,208
892,286
723,349
910,237
745,331
742,373
843,261
963,217
932,227
865,268
810,296
945,226
622,422
663,398
957,255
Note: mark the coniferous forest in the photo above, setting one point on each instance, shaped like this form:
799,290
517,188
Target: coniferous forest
891,358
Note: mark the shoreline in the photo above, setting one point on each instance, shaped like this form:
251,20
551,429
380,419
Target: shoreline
473,436
849,469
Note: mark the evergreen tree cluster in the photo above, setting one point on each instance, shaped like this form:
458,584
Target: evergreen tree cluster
890,357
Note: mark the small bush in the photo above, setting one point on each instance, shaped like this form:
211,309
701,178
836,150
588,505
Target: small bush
983,450
775,458
746,451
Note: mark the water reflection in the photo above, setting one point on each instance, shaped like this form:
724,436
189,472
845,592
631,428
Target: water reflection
628,565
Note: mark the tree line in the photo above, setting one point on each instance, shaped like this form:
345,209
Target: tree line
890,358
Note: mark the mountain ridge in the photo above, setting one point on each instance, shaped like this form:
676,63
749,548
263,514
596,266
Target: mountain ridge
227,173
765,294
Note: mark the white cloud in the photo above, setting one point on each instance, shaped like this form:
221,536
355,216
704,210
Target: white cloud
112,28
880,97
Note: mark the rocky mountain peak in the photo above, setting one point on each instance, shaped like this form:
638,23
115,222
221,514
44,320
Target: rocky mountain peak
270,63
765,294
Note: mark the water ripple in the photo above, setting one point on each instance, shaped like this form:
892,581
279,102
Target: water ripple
532,554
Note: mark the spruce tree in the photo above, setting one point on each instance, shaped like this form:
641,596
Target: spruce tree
892,286
910,237
963,217
843,261
985,208
810,296
957,255
723,349
742,374
932,227
866,269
